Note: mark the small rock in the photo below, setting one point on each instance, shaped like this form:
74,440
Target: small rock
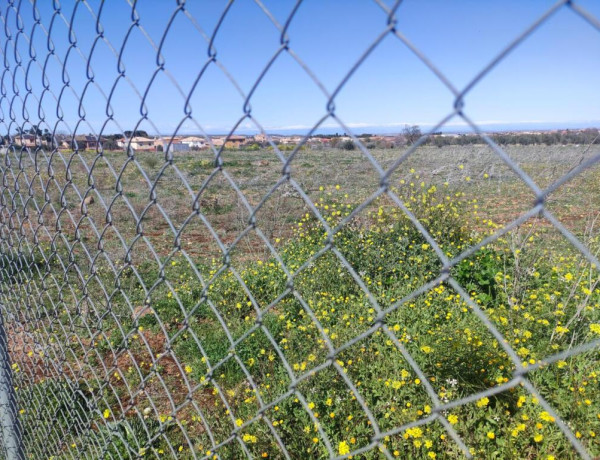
88,200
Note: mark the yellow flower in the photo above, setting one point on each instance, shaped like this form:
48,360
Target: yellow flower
538,438
453,419
343,448
491,435
415,432
239,422
595,328
106,413
188,369
483,402
546,417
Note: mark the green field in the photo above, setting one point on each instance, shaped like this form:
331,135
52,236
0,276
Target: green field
199,308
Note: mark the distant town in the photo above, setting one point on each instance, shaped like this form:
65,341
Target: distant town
141,141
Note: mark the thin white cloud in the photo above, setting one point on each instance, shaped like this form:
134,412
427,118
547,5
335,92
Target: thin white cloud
458,123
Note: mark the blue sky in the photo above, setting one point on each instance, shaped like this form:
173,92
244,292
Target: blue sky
550,80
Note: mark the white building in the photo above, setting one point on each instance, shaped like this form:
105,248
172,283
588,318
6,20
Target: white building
194,142
137,143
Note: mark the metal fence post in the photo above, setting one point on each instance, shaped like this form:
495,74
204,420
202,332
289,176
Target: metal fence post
12,445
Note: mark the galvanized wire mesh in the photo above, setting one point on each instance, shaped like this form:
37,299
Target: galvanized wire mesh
66,293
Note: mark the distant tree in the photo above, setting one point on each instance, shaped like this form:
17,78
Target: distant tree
550,138
35,130
110,144
411,133
47,136
136,133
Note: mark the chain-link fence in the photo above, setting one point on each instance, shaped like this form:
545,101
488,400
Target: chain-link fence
169,300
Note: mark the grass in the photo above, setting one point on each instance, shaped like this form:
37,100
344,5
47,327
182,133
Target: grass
171,352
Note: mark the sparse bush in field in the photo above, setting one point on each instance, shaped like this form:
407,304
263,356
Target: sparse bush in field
347,145
254,147
151,160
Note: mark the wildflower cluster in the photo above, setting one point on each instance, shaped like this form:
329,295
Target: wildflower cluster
232,334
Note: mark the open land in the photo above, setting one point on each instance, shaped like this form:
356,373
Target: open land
200,306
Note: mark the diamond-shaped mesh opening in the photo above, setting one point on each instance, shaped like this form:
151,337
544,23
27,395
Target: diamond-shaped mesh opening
549,163
528,422
318,390
569,394
419,440
394,393
526,96
398,91
451,346
445,188
576,213
524,287
383,248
